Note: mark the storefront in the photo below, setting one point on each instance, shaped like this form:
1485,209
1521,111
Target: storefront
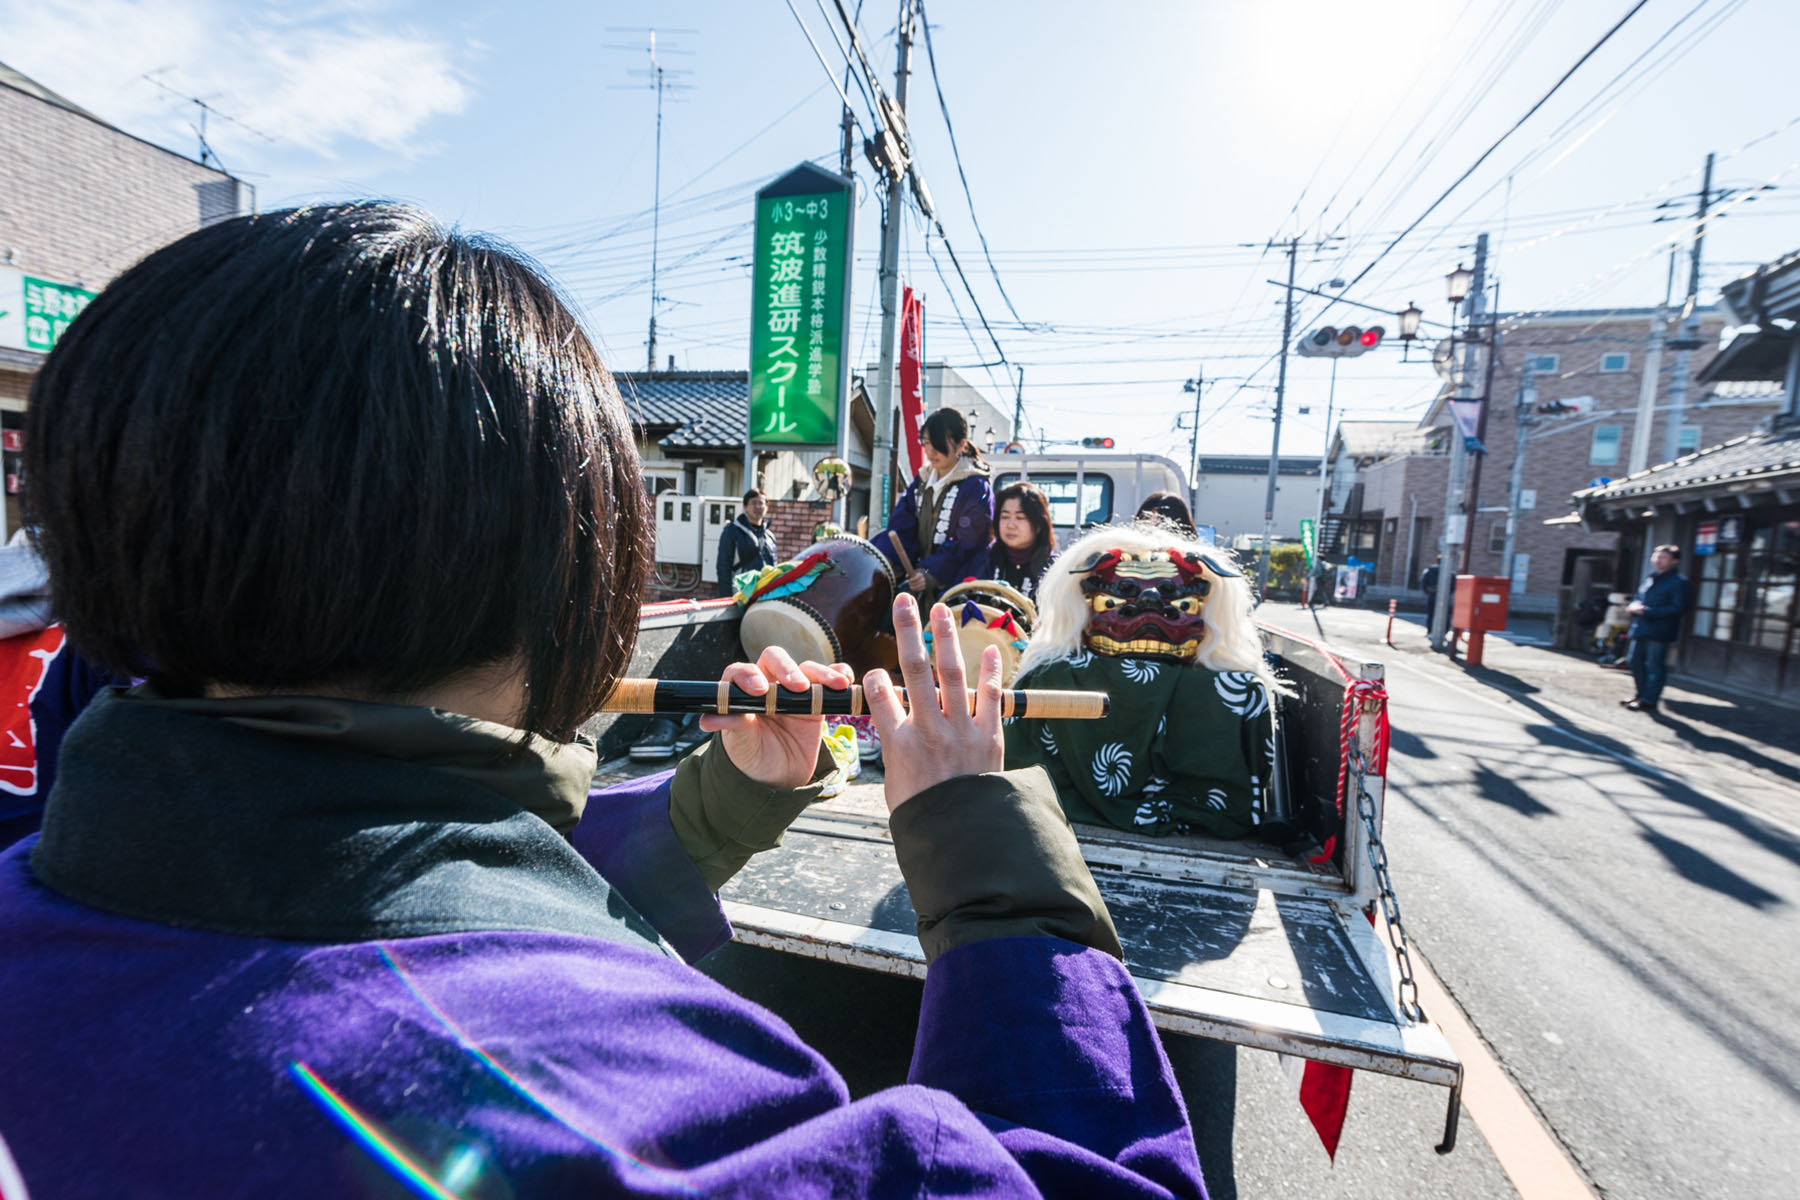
1734,510
1743,568
1735,513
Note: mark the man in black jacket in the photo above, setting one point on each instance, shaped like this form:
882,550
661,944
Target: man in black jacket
746,543
1656,615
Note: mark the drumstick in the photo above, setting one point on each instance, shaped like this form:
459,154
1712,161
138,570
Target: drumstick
676,696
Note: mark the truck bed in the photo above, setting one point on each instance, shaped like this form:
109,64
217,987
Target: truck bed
1212,955
1237,941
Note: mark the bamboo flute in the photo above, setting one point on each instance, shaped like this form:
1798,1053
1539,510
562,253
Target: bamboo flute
678,696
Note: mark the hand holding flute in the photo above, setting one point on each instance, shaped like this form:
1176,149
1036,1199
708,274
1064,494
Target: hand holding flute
923,747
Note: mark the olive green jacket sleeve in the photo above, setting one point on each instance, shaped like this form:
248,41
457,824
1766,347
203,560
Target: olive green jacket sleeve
992,856
722,816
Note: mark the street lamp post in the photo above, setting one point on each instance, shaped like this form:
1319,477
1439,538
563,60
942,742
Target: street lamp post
1459,285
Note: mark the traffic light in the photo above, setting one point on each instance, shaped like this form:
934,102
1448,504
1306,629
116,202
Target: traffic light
1097,443
1328,341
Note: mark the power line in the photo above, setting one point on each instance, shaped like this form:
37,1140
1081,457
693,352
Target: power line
943,107
1512,129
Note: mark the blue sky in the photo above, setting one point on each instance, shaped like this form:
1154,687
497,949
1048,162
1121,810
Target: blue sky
1119,157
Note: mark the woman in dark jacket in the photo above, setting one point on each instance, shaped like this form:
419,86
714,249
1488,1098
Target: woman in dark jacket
1023,538
938,533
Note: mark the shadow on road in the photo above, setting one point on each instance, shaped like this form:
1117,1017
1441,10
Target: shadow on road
1503,680
1761,1046
1711,743
1409,744
1499,789
1769,836
1698,867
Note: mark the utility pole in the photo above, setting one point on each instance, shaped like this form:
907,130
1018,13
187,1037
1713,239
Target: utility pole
1522,411
890,280
1473,505
656,73
1018,429
1287,335
1455,520
1324,482
1646,409
1194,441
1689,341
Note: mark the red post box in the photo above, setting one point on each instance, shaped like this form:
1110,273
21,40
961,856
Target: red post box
1480,605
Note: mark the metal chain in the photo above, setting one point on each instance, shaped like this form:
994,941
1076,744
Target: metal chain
1408,991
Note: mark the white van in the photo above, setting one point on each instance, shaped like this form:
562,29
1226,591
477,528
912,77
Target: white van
1091,488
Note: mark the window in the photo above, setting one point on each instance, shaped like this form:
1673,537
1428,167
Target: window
1689,439
1604,451
1545,364
1096,505
1747,582
1611,364
1497,538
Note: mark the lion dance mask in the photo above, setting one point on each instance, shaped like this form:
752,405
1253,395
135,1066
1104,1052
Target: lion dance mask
1150,602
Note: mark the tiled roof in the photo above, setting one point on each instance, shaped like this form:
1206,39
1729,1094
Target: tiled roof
1761,456
693,410
1740,390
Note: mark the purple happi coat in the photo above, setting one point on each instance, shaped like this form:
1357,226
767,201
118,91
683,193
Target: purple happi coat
495,1018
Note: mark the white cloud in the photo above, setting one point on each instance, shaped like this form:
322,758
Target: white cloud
320,79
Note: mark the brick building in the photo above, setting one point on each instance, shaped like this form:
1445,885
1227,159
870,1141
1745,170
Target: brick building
1591,362
1732,509
83,201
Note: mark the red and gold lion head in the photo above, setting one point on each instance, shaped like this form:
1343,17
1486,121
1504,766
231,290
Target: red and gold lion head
1148,602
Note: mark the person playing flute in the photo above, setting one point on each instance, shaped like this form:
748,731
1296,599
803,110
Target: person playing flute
324,906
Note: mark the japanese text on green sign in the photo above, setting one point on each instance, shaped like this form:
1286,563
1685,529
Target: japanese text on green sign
49,307
797,317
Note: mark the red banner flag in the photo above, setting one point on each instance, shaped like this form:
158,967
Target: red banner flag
912,378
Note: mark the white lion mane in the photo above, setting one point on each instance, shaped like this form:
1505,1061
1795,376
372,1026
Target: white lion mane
1231,641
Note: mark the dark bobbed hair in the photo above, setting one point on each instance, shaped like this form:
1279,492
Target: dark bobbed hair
750,495
1168,508
339,447
1036,507
948,433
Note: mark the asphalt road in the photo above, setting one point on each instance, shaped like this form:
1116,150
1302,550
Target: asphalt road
1621,936
1619,924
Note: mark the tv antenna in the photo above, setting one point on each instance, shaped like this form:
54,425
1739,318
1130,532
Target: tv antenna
663,80
208,156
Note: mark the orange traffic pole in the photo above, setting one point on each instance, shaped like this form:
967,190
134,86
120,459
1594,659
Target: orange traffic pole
1392,605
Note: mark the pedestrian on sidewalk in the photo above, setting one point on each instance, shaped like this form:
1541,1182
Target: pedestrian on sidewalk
746,544
1656,615
1428,580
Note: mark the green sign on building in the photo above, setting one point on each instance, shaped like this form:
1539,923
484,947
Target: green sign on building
1308,538
800,308
34,312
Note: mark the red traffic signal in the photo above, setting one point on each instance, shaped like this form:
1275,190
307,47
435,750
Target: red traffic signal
1328,341
1097,443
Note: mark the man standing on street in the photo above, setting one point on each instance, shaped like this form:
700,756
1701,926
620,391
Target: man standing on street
1655,624
746,544
1428,580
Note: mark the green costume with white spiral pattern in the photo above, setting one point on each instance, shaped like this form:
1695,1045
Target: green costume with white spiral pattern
1183,749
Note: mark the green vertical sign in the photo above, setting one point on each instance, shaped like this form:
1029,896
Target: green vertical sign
799,308
49,307
1308,534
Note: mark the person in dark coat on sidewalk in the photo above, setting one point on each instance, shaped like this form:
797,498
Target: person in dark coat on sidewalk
746,544
1428,583
1662,600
